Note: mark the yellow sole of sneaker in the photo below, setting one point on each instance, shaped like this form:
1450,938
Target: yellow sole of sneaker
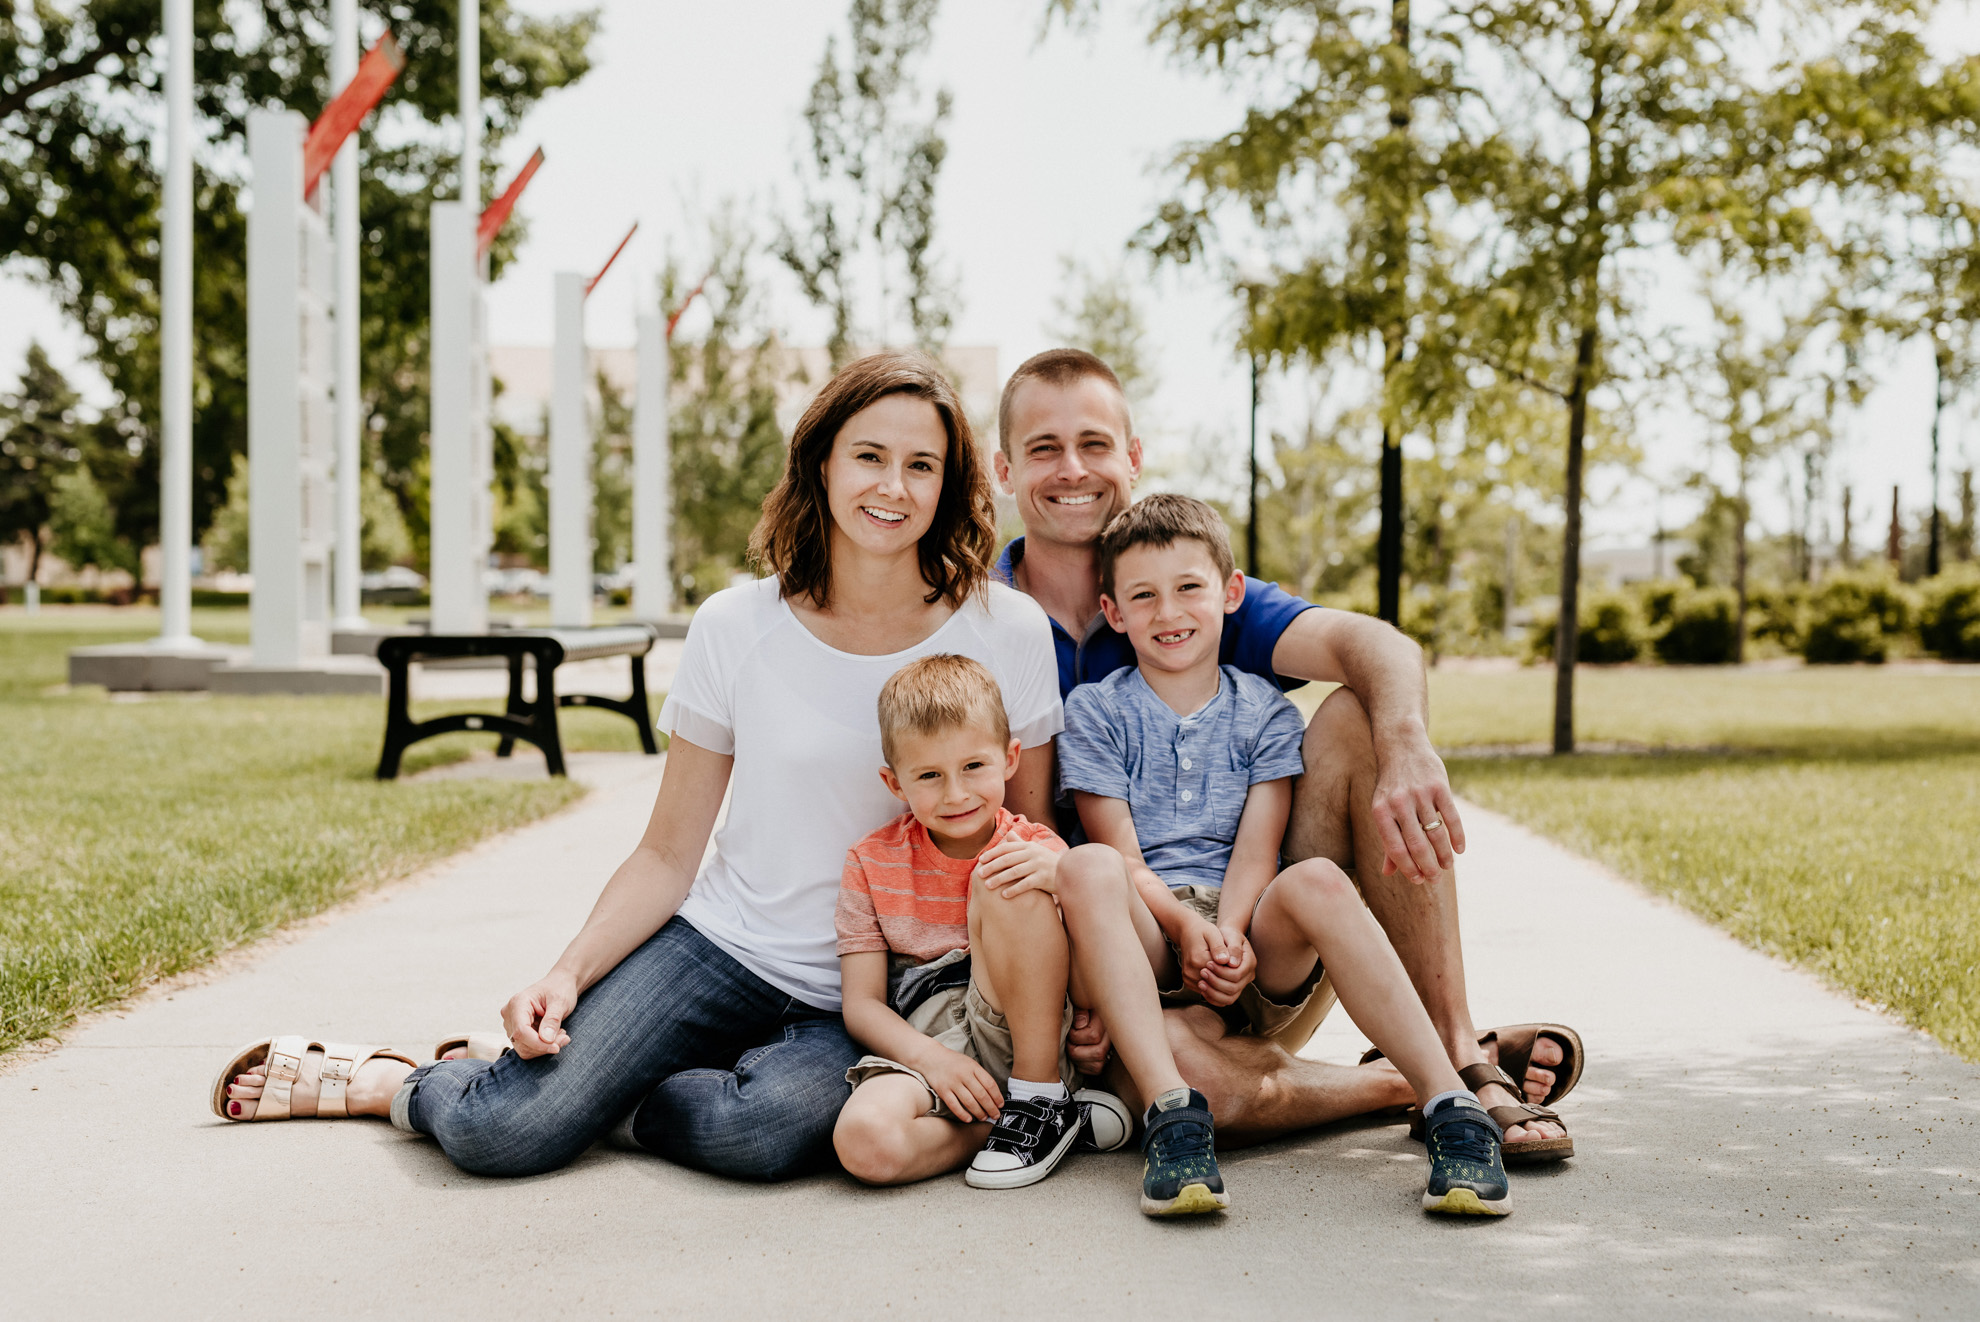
1193,1200
1465,1202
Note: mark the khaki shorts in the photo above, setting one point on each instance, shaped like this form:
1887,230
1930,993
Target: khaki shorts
961,1020
1289,1023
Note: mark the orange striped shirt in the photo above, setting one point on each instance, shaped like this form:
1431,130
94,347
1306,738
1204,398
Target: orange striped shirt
900,893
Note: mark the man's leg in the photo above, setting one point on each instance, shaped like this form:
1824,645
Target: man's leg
1333,818
768,1118
887,1135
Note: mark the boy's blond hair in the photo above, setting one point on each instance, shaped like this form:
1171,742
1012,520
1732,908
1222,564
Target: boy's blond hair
1164,520
940,692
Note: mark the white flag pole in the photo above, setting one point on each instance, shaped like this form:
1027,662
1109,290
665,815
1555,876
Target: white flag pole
175,339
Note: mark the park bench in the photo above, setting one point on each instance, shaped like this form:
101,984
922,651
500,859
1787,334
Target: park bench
534,720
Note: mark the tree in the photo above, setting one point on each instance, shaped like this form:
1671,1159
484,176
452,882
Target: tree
868,184
611,479
728,445
1355,119
1753,398
39,434
79,199
1096,310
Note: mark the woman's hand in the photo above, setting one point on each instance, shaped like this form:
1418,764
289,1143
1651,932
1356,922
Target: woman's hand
1014,866
964,1086
534,1016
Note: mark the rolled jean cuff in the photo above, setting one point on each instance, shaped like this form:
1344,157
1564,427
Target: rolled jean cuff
402,1102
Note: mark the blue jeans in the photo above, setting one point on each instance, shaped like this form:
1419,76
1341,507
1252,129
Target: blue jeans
719,1070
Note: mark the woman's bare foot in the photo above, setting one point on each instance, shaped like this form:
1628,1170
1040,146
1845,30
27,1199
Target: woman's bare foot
1539,1081
370,1092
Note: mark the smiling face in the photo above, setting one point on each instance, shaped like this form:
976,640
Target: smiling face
952,780
883,478
1171,602
1072,462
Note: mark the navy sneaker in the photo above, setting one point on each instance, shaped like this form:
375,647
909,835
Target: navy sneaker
1031,1136
1181,1176
1105,1123
1467,1178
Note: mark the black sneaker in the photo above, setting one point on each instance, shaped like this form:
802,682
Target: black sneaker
1030,1137
1467,1178
1181,1176
1105,1123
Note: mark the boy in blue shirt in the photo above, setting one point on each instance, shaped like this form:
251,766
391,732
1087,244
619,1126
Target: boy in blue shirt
1186,767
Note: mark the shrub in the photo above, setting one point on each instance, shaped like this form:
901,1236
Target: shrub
1611,631
1703,625
1949,615
1856,617
1778,613
1659,601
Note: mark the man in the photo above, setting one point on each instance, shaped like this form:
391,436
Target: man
1375,798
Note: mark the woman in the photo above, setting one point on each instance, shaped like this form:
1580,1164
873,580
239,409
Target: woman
704,1008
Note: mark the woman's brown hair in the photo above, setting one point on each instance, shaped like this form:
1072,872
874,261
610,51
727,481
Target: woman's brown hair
793,539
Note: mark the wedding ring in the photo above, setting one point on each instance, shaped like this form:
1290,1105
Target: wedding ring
1434,824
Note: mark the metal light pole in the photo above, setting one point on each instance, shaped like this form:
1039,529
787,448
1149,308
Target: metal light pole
1251,520
346,609
470,76
175,339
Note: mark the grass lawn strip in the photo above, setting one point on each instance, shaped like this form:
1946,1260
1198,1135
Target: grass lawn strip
139,839
1860,869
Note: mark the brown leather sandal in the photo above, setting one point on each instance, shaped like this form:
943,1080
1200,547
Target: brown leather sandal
1516,1044
1528,1151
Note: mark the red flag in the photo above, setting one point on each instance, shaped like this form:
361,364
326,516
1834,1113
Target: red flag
341,117
498,211
592,283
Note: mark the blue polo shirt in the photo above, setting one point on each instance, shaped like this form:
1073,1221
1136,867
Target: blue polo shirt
1251,633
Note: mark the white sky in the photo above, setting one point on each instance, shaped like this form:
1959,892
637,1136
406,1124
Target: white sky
1054,149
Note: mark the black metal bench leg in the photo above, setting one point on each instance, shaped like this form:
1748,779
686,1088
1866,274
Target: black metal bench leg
398,722
544,717
644,719
516,707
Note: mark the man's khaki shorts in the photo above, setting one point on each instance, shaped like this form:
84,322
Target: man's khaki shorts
1289,1023
961,1020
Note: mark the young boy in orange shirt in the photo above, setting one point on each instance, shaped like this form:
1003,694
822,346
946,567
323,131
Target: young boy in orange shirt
962,928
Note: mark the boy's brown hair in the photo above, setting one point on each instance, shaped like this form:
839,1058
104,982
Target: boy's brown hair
794,537
1164,520
940,692
1058,367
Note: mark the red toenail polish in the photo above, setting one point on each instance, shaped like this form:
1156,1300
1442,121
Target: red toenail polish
233,1108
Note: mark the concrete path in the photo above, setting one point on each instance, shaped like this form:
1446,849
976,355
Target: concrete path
1751,1145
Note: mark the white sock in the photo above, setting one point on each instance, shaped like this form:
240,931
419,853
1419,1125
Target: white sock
1465,1093
1024,1090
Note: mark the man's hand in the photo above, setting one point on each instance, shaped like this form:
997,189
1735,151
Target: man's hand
1415,813
964,1086
1015,866
1088,1043
534,1016
1213,963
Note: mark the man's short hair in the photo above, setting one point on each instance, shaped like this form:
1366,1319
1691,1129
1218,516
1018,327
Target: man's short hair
1164,520
941,692
1058,367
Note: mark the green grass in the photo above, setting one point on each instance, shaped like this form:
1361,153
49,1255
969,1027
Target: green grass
1825,816
139,839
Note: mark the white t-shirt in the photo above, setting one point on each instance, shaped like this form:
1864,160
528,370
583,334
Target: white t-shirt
801,719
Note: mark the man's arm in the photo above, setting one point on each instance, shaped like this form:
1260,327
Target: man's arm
1383,667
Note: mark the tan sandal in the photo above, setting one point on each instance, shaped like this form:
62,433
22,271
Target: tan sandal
1526,1151
1516,1042
284,1058
479,1046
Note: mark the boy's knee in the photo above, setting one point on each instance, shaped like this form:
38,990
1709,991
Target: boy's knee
998,908
1092,874
871,1146
1320,878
